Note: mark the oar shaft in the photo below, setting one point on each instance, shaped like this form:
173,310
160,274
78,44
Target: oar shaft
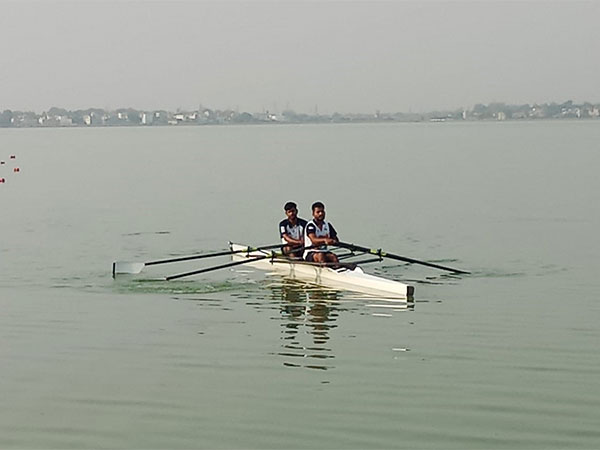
210,255
222,266
383,254
187,258
271,256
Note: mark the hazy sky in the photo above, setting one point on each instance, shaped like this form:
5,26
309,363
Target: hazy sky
337,56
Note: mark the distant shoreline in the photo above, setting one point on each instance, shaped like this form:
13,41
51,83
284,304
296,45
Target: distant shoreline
372,122
365,122
127,117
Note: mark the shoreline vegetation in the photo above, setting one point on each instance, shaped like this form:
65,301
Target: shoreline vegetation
96,117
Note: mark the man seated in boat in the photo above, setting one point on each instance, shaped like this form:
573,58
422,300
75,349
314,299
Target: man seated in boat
291,231
319,234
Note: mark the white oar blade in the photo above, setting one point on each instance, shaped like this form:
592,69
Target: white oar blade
127,267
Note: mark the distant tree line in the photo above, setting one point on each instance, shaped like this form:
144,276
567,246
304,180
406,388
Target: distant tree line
131,117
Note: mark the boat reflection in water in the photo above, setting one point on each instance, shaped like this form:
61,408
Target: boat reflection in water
308,314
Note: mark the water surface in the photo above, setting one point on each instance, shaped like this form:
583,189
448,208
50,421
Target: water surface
503,358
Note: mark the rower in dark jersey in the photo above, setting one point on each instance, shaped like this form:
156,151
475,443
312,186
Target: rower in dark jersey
291,231
319,233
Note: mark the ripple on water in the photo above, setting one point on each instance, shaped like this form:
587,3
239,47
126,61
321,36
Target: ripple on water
150,286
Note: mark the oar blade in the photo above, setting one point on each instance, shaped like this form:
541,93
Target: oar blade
126,267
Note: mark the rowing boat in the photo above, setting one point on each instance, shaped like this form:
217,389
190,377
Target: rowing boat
348,277
341,275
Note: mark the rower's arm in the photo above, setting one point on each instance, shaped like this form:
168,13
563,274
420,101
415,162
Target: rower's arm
291,240
320,240
333,234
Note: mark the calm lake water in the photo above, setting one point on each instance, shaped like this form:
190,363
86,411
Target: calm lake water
504,358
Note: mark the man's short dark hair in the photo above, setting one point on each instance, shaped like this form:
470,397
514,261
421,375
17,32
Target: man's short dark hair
316,205
289,205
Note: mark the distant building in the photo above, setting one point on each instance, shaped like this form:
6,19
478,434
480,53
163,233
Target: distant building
65,121
147,118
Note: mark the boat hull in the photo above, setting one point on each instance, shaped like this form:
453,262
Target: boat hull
355,280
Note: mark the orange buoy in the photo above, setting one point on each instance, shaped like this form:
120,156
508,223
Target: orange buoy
16,169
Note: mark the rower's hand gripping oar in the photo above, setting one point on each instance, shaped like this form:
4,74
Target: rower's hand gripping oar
383,254
137,267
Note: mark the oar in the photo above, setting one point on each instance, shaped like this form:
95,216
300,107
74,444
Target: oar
383,254
137,267
271,256
222,266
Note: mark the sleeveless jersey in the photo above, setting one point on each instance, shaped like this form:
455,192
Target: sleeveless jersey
293,231
326,231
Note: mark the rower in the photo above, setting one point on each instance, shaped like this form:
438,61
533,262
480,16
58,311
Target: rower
320,233
291,231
